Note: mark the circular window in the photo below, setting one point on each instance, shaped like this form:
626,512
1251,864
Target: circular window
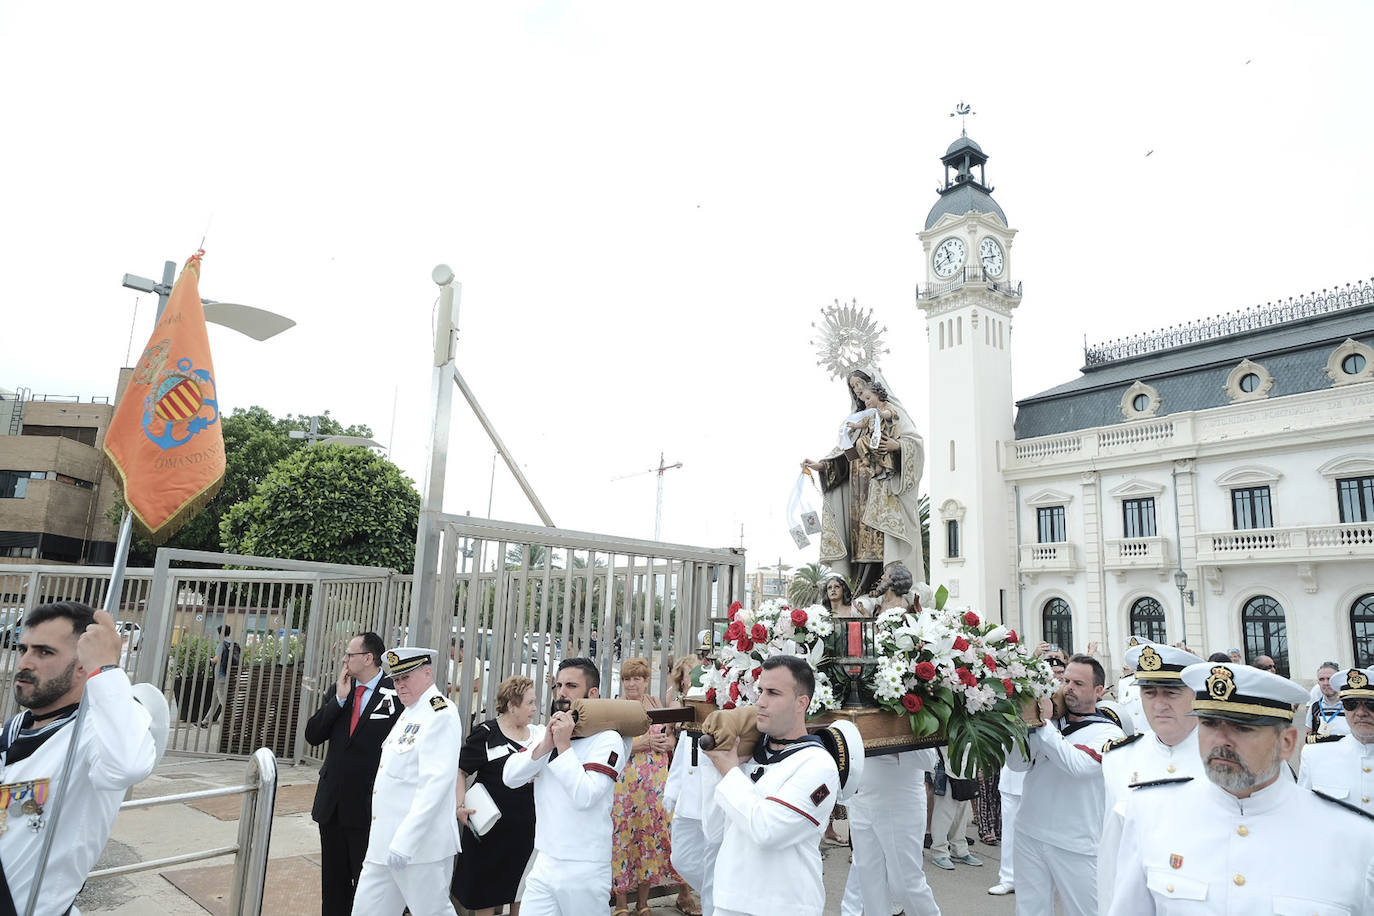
1249,382
1353,364
1141,402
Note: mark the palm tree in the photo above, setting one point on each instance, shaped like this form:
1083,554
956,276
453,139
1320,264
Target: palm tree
805,587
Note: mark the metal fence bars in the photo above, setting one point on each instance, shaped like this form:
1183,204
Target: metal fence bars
523,597
289,622
255,833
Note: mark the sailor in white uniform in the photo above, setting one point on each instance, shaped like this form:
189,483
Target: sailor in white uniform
1343,768
886,821
414,834
574,786
1060,820
1241,839
67,652
1166,750
769,812
691,781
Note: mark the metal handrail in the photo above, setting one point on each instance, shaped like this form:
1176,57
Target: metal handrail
255,832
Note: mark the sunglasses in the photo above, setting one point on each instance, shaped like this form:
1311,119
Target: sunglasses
1352,704
1057,663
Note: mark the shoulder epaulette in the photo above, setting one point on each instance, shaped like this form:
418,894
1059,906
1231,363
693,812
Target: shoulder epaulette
1121,742
1336,801
438,703
1150,784
1323,739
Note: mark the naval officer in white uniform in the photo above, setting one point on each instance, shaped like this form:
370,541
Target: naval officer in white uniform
769,813
1344,768
574,786
1167,749
414,834
67,651
1242,839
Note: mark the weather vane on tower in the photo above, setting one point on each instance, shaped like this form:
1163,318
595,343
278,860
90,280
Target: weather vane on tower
963,110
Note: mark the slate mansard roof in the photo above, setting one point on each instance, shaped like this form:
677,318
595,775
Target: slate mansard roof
1192,376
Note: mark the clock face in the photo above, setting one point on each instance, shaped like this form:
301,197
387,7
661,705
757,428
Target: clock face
990,253
949,257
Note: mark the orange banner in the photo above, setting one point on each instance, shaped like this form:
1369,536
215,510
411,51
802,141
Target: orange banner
165,441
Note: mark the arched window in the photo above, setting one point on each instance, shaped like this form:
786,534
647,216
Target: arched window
1147,619
1362,630
1057,624
1265,631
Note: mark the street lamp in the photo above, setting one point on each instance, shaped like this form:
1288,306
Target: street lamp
1181,580
256,323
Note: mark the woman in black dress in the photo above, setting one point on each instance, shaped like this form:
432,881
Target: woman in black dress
489,868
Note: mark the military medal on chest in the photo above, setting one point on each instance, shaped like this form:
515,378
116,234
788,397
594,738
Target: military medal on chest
31,796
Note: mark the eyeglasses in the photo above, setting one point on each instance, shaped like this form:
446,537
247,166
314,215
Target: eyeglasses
351,654
1351,704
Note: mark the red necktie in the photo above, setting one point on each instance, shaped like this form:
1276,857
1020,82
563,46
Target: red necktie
357,707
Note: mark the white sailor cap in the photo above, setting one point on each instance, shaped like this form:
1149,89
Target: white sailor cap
1156,663
404,659
1354,683
844,742
1241,693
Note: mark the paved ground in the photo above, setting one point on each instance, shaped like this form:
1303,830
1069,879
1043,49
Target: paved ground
293,876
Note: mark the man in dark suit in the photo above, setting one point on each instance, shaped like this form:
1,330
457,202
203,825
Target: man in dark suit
355,720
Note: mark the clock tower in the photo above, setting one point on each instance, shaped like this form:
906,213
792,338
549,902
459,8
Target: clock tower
969,295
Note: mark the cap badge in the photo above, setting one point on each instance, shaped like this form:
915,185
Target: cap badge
1150,660
1133,642
1356,679
392,659
1221,684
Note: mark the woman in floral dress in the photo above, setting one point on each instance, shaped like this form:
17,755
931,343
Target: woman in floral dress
641,848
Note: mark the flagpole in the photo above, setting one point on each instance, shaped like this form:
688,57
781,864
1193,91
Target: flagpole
112,596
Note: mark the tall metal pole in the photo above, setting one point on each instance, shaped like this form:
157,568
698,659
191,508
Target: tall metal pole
433,631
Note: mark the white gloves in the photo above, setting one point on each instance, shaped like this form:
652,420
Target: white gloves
396,859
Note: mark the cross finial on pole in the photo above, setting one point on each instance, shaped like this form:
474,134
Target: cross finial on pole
963,110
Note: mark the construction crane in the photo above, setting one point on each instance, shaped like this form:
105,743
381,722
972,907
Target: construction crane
658,506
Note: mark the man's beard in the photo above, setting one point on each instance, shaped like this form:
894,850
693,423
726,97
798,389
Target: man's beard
1240,777
46,692
559,704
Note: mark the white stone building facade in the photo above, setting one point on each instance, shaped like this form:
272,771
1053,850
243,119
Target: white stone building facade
1234,456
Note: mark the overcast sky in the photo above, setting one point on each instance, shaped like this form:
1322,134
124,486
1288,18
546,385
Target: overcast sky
647,206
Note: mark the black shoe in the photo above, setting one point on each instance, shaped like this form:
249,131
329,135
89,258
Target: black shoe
929,841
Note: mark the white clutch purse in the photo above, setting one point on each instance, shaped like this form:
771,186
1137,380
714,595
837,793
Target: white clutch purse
484,811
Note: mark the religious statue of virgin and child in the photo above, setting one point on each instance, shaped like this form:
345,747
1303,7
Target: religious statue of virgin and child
869,480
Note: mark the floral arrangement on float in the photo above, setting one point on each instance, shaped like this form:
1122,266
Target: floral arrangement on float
752,636
947,672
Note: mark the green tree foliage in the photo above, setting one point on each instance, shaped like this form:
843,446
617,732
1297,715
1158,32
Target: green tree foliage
329,503
923,508
805,588
254,441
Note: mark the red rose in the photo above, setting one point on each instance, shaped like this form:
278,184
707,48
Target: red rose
970,619
798,617
710,694
758,633
925,671
1011,688
912,703
734,691
960,644
734,631
734,609
756,672
990,662
728,706
1012,637
744,644
966,677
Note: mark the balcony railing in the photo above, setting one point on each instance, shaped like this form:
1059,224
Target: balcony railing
968,276
1136,553
1307,543
1060,556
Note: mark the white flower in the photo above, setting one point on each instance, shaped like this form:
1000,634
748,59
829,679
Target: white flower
995,635
746,617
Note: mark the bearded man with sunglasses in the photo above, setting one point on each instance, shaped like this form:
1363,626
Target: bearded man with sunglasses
1344,769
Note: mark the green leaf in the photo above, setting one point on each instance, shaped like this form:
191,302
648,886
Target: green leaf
941,595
